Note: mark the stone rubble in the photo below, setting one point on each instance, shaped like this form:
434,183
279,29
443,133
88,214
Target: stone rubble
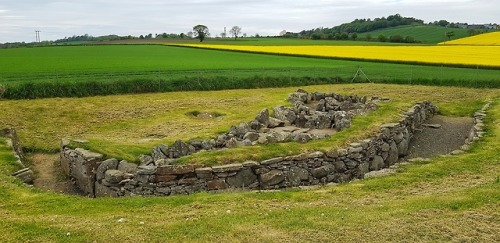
300,123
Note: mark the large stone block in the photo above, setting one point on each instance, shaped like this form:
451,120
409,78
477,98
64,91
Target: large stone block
216,184
272,178
242,179
174,169
227,168
109,164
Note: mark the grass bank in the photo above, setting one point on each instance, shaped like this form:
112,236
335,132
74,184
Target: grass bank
124,126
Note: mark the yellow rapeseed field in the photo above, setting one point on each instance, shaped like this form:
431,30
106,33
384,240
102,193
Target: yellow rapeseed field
442,54
488,39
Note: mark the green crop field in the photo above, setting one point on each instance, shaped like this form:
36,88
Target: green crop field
114,69
427,34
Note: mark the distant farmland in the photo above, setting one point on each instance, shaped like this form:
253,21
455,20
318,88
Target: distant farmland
114,69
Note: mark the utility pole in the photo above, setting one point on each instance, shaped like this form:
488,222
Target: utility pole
37,36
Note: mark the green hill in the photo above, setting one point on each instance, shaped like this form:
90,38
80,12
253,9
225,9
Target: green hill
427,34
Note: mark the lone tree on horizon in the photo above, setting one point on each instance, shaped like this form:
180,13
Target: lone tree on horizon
235,31
200,32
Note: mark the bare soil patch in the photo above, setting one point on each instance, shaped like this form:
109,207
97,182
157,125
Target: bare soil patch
450,136
49,175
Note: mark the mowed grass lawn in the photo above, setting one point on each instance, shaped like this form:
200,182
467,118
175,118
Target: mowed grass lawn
446,199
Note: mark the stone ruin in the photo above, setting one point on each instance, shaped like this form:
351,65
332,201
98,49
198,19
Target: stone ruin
312,116
98,176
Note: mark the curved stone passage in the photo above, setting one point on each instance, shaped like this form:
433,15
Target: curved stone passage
99,177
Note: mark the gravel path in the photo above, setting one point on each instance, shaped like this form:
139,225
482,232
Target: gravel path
450,136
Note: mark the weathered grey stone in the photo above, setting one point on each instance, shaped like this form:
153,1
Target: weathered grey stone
242,178
146,160
285,114
174,169
127,167
232,143
263,117
240,130
274,122
208,144
163,162
165,178
159,152
317,154
398,137
203,170
332,153
302,137
385,147
435,126
104,191
376,163
296,175
272,178
322,171
227,168
250,164
271,161
262,139
342,152
298,97
146,170
363,168
403,147
113,176
26,175
216,184
109,164
252,136
180,148
393,154
352,150
88,155
351,164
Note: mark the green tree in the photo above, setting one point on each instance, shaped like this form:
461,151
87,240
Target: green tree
200,32
449,34
382,38
354,36
235,31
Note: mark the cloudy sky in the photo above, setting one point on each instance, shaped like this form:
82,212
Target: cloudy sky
60,18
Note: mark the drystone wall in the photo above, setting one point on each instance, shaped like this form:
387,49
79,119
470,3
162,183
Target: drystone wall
98,177
25,174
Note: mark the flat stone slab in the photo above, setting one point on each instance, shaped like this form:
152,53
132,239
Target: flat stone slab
435,126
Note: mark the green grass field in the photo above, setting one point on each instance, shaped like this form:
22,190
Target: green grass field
427,34
445,199
113,69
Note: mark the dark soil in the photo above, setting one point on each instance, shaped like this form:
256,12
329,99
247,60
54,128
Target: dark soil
450,136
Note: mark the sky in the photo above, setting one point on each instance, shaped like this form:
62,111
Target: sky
57,19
